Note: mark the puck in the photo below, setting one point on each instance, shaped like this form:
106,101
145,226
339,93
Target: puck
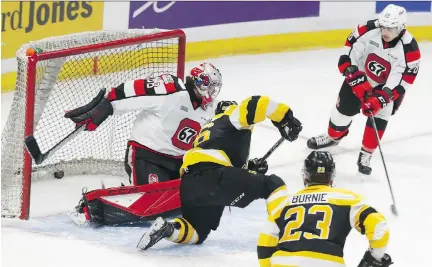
59,174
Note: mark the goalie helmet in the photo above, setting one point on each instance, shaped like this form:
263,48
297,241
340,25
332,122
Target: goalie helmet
393,19
319,169
208,82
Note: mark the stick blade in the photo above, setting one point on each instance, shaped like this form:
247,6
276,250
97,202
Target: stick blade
394,210
33,149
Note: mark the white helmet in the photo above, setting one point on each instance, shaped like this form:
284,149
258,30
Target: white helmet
208,82
393,16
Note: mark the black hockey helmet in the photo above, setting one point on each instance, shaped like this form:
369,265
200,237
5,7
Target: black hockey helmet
319,169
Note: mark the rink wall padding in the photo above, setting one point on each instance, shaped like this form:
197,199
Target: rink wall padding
216,29
212,49
281,43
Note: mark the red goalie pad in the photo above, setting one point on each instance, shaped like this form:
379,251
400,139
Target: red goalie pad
132,204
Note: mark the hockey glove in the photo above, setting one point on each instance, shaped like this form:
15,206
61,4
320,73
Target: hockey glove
289,127
256,165
375,103
92,114
370,261
223,105
358,81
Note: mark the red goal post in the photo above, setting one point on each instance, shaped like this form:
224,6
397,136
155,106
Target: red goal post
64,73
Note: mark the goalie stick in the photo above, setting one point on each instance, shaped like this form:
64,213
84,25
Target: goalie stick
33,146
34,149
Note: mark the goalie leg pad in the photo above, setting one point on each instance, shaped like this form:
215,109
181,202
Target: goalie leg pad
133,204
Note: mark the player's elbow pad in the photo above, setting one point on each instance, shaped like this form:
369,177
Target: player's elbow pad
376,230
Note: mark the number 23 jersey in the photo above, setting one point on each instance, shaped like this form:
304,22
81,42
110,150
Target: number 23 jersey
390,64
313,224
169,117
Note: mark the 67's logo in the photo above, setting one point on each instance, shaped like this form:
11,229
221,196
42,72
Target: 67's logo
185,134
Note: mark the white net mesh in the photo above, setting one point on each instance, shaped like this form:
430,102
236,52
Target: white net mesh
66,83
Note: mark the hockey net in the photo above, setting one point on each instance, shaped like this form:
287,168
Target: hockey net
68,72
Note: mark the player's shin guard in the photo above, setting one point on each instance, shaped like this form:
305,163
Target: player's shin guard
369,144
183,232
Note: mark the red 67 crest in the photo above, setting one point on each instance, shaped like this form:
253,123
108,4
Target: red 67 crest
377,68
185,134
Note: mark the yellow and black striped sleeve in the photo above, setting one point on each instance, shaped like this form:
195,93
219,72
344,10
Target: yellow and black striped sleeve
269,236
256,109
371,223
267,242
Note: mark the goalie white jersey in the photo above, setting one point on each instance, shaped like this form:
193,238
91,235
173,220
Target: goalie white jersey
392,64
170,116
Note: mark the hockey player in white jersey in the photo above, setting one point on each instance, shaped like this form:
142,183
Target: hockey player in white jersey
380,63
172,113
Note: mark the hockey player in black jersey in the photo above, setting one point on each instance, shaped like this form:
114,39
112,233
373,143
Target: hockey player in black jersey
310,227
216,173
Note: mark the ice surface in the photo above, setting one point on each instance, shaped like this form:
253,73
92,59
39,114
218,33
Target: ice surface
308,81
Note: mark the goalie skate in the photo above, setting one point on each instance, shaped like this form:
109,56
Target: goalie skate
158,230
78,216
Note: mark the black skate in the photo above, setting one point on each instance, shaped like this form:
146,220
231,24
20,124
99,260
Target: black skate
363,162
158,230
321,141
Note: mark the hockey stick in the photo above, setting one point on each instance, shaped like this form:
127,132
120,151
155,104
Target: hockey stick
32,144
34,149
271,150
393,206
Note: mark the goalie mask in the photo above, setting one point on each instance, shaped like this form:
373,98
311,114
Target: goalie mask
319,169
208,82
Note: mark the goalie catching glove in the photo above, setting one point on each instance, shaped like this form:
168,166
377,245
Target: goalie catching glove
289,127
92,114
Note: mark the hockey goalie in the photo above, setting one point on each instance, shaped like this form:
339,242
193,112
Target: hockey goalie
172,114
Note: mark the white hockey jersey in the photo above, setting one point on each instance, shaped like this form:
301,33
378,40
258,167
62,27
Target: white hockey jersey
394,64
170,116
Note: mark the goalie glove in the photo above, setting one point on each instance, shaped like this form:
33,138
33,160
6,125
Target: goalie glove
370,261
289,127
257,166
93,113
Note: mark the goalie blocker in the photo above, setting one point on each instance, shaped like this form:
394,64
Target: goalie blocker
127,204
